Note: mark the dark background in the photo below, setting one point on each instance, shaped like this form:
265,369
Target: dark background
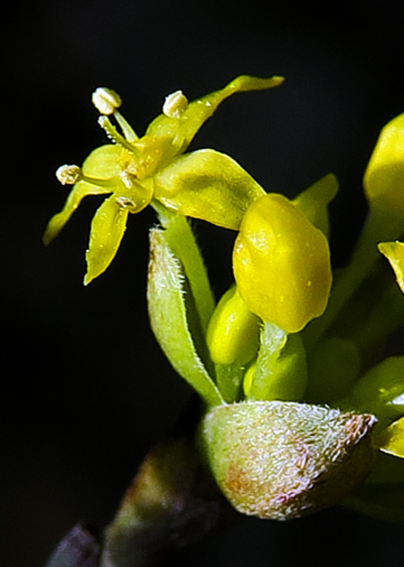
86,390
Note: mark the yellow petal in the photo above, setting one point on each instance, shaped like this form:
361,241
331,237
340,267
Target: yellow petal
392,439
207,185
394,252
104,162
181,131
107,229
76,195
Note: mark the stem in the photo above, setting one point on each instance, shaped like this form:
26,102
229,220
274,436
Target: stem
169,504
379,227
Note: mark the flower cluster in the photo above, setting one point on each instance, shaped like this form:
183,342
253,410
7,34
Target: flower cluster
301,407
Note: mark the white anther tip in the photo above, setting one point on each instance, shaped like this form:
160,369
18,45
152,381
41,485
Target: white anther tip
106,101
68,174
175,105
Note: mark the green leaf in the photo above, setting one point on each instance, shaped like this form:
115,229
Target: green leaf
168,318
207,185
107,229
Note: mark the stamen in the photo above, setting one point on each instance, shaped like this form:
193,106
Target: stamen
69,174
175,105
127,129
128,179
126,202
114,135
106,101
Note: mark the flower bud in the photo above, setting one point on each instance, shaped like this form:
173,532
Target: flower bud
384,176
233,332
282,460
281,264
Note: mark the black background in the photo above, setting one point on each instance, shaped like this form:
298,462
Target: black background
86,390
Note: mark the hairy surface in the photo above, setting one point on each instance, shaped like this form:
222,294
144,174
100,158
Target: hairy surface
281,460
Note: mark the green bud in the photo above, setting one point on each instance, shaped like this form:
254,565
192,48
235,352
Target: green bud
381,390
282,460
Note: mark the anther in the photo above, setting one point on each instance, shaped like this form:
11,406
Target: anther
128,179
125,202
106,101
69,174
175,105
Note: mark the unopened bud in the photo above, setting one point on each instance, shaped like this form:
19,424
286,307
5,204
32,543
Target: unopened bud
233,332
282,460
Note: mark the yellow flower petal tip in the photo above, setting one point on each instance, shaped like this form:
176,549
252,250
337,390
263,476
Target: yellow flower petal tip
394,252
391,441
281,264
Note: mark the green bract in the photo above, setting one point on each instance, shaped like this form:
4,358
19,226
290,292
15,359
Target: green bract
204,184
283,460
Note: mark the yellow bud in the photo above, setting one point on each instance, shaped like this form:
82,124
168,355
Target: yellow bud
281,264
233,332
384,176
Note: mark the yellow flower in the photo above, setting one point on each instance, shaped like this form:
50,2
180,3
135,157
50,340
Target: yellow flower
281,264
204,184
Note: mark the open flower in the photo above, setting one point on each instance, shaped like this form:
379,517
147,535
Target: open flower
135,171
